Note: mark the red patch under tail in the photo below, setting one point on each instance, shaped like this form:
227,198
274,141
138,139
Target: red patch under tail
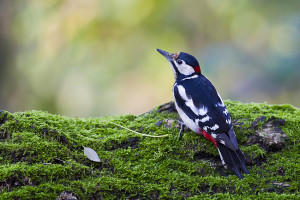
210,138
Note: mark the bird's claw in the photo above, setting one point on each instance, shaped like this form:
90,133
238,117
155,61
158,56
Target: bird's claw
182,124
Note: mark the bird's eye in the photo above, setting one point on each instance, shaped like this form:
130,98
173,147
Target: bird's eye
179,62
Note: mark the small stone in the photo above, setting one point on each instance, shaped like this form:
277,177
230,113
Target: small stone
271,135
281,184
66,195
169,123
271,138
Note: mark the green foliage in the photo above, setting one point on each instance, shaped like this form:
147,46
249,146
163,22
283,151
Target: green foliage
41,155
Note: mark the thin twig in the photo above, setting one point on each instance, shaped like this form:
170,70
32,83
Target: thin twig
146,135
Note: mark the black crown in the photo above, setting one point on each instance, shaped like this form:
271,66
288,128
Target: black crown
189,59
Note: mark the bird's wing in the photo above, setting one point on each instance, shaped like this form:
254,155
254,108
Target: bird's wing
199,100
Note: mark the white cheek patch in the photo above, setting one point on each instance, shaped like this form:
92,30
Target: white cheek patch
175,76
185,69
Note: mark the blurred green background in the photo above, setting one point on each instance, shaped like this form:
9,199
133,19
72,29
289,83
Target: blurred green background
97,57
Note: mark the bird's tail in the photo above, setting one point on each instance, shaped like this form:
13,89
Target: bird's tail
235,160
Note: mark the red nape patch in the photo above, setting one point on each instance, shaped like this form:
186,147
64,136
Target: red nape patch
210,138
197,69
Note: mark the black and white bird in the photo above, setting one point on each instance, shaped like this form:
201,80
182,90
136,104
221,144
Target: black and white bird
202,109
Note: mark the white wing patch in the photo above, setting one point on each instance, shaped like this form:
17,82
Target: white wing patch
222,142
225,111
221,104
215,127
203,111
182,93
189,102
189,122
228,121
204,119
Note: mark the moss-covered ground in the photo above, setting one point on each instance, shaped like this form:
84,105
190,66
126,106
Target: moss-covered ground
41,155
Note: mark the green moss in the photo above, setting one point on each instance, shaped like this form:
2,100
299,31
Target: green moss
41,155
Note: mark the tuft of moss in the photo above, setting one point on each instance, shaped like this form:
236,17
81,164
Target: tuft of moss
41,156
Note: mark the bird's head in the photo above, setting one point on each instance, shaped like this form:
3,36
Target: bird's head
183,64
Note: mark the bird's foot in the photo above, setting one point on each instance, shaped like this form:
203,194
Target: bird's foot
182,125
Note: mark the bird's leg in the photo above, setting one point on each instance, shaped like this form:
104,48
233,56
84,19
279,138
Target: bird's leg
182,124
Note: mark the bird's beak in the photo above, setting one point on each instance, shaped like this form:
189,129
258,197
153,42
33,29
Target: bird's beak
168,56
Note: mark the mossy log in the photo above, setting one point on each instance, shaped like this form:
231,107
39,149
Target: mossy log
41,156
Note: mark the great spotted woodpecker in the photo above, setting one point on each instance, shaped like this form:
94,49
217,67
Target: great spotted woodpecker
201,109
